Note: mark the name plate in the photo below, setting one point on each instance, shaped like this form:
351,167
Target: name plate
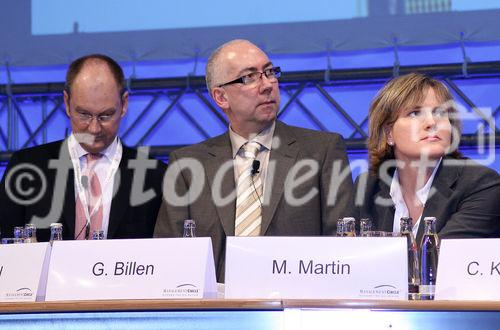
468,269
316,268
21,268
162,268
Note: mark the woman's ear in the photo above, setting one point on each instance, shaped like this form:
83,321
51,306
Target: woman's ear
388,134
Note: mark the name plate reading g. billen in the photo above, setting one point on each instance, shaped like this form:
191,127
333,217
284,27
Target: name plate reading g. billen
162,268
21,268
316,268
469,269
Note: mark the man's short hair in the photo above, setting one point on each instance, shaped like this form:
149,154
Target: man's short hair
76,66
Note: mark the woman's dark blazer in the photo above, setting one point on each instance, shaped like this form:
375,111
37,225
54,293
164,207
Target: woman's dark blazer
465,199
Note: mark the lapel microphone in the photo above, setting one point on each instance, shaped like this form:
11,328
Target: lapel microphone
255,170
255,167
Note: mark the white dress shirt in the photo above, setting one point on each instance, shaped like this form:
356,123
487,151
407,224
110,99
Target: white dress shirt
265,139
101,168
401,210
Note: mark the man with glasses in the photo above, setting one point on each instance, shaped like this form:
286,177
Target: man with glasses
89,182
261,177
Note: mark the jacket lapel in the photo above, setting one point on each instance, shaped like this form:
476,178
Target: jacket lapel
386,214
282,158
68,211
440,192
220,154
123,182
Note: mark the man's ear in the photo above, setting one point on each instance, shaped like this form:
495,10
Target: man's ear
220,97
124,103
66,101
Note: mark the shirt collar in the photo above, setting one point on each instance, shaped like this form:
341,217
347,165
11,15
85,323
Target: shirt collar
109,152
422,194
265,138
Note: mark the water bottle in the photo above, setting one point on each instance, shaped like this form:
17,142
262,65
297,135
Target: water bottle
56,232
429,254
349,227
340,227
365,226
98,235
30,233
406,225
189,228
19,233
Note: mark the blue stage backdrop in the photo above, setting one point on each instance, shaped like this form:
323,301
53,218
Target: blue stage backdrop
161,39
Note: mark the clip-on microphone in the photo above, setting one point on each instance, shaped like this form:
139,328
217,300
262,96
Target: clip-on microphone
255,170
255,167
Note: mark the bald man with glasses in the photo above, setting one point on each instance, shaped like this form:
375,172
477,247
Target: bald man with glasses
261,177
90,182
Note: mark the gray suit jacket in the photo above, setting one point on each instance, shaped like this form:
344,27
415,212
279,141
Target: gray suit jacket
466,201
317,216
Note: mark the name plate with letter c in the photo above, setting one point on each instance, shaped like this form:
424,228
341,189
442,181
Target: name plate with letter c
316,268
469,269
21,271
160,268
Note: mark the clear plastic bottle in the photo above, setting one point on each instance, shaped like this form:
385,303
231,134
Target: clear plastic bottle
30,233
189,228
406,225
365,226
56,232
429,254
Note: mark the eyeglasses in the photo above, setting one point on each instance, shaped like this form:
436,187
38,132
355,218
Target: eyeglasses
86,118
272,74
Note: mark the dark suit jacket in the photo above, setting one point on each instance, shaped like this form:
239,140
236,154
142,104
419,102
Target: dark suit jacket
279,218
466,201
58,196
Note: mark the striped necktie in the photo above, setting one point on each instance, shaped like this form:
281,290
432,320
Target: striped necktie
93,193
249,189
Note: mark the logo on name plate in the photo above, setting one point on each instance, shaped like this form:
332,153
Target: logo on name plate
185,290
19,294
380,291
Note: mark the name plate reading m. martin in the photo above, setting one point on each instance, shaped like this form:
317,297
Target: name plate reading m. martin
162,268
21,268
316,268
468,269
